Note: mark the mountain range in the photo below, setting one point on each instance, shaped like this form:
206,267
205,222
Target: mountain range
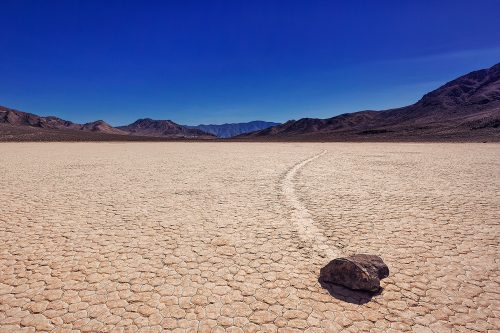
465,109
22,126
18,118
230,130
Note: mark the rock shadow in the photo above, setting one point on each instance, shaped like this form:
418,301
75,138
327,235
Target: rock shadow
348,295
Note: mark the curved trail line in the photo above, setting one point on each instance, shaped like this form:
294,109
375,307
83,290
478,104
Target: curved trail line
301,217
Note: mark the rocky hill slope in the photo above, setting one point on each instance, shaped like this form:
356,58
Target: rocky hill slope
467,108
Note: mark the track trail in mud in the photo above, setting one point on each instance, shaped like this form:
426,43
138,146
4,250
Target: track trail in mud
301,218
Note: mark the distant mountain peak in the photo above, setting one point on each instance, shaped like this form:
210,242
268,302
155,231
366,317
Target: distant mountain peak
162,128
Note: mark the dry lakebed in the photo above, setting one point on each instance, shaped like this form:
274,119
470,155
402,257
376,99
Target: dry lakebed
230,237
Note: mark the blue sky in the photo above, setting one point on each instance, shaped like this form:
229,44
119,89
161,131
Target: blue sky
230,61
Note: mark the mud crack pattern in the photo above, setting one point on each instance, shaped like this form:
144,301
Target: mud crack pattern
205,237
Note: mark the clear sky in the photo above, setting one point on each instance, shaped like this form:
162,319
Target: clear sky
230,61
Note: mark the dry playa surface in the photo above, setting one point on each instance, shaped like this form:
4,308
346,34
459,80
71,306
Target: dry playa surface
230,237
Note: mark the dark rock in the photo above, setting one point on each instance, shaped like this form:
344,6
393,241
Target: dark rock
358,272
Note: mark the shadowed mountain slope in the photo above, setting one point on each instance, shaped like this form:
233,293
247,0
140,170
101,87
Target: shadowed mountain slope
467,108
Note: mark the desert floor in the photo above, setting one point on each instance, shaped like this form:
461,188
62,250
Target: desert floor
214,237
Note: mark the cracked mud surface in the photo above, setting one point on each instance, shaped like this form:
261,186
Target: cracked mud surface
203,237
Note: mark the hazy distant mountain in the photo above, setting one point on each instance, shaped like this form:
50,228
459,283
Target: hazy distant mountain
463,109
233,129
163,128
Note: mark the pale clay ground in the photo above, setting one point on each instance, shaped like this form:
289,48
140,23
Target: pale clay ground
214,237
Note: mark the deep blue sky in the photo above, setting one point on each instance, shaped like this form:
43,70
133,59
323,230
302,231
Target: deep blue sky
230,61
